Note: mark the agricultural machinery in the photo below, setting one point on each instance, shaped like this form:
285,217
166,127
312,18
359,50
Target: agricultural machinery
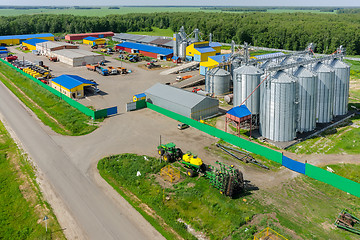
227,179
348,222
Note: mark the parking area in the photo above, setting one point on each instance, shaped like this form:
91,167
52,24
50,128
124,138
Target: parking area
115,90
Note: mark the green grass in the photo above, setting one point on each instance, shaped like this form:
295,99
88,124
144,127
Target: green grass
19,216
302,205
72,120
156,32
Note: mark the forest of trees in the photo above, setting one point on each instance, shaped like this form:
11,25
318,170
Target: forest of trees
291,31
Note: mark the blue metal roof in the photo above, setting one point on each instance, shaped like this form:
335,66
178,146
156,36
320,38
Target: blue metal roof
175,57
214,44
219,58
3,48
26,36
239,111
71,81
140,95
90,38
34,41
146,48
3,51
205,49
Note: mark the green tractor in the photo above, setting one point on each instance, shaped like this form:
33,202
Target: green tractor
169,152
227,179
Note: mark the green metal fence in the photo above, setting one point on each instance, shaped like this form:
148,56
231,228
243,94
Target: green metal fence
247,145
87,111
337,181
317,173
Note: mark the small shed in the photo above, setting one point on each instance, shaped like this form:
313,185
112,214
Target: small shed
138,97
94,41
71,85
31,43
238,115
188,104
176,59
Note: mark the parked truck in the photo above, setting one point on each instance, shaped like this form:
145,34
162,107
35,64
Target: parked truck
112,70
91,67
122,70
102,71
11,58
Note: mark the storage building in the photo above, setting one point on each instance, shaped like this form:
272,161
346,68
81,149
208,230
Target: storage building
94,41
188,104
157,41
146,50
17,39
212,62
200,51
46,48
81,36
71,85
77,57
31,43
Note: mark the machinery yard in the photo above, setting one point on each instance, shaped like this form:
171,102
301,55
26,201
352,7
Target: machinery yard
235,129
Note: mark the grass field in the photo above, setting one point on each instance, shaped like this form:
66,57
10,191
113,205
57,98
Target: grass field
22,206
156,32
100,12
51,110
299,207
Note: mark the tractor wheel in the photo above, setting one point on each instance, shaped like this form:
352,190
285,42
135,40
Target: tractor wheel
161,152
190,172
179,154
166,157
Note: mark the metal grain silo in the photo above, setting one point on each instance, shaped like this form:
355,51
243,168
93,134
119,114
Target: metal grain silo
218,81
307,98
278,111
325,98
341,86
246,79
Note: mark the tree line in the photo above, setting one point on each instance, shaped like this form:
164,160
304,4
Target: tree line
292,31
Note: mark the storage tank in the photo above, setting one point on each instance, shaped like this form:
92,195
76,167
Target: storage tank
325,98
278,111
246,79
218,81
182,50
341,86
286,61
307,97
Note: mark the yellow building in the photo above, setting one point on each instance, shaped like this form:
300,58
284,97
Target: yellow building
31,43
17,39
200,51
71,85
213,61
94,41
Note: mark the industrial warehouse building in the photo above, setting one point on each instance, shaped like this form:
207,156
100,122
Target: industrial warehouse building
77,57
31,43
146,50
17,39
188,104
157,41
71,85
200,51
212,62
81,36
68,53
94,41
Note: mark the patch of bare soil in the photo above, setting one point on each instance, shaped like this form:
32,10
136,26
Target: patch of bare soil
150,212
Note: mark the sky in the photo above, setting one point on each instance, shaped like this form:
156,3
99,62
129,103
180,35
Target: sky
344,3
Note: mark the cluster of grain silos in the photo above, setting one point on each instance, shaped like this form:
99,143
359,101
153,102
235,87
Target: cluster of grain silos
294,98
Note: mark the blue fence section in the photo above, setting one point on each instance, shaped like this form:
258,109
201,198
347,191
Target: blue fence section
293,165
112,111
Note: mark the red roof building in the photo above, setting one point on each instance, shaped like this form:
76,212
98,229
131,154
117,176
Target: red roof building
80,36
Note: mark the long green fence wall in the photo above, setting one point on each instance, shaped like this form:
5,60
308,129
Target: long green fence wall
87,111
247,145
317,173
